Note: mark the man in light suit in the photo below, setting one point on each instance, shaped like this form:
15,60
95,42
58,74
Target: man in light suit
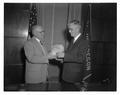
75,55
36,57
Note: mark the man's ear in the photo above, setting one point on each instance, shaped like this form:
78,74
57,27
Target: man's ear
78,28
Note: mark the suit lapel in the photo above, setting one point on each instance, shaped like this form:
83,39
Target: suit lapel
41,47
37,44
70,45
76,42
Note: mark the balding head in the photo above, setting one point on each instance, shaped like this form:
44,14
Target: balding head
38,31
37,28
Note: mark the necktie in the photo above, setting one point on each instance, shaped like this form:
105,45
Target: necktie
43,49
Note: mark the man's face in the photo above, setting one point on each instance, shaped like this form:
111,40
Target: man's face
74,29
39,33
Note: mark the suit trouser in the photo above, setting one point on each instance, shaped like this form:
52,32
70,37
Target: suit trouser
73,72
72,75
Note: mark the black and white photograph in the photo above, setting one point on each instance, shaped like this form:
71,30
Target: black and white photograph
60,47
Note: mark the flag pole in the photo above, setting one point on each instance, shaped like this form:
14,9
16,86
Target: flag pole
88,73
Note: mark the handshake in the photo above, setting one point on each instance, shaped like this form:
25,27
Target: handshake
57,52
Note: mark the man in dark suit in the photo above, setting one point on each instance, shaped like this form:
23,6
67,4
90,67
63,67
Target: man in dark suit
75,55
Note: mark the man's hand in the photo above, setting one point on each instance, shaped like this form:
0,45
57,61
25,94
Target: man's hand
51,56
60,55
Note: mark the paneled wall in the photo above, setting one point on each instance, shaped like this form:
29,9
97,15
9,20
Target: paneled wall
103,22
15,34
103,39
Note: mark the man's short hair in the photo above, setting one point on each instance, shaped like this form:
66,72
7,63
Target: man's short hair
35,26
75,22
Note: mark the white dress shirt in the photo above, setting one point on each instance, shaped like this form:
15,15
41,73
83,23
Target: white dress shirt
37,39
76,37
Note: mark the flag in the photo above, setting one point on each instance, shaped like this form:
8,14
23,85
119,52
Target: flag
87,66
32,19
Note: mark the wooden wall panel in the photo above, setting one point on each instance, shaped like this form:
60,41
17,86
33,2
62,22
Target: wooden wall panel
103,39
103,22
15,34
14,54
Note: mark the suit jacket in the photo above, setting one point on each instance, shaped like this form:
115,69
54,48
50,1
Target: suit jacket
75,56
36,62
